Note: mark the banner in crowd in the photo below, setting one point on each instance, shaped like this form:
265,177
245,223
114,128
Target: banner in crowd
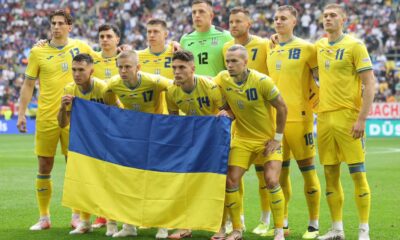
147,170
384,111
383,128
10,126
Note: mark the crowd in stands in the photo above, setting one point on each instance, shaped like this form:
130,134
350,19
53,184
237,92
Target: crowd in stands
22,23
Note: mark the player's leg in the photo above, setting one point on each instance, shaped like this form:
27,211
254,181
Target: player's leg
272,170
126,231
46,139
329,156
112,228
263,226
84,225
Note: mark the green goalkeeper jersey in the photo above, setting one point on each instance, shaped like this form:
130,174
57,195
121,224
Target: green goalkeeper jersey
207,49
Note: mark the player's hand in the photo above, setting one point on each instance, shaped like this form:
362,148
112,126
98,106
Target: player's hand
271,146
124,47
66,100
358,129
175,46
21,123
40,43
273,41
226,113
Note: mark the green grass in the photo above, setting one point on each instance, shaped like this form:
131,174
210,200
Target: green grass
18,210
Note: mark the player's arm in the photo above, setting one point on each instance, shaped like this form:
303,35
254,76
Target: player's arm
368,80
25,97
281,113
111,99
173,109
64,113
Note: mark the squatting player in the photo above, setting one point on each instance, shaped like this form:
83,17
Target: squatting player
346,94
290,65
137,91
251,96
239,27
52,65
206,41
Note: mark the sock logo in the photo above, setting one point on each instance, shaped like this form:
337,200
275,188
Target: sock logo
230,205
41,189
312,192
328,193
363,195
278,201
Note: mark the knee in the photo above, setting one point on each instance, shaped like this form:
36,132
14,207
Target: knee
271,181
45,165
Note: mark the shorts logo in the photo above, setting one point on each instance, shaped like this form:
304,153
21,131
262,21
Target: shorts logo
64,67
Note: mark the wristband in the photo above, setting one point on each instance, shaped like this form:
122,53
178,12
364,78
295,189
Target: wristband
278,137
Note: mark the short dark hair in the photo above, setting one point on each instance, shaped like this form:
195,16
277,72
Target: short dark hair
83,57
183,55
336,6
108,26
208,2
63,13
289,8
239,9
157,21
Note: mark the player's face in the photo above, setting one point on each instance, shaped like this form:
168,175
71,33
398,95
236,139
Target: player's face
235,63
156,35
183,71
127,68
333,20
202,15
108,40
81,72
284,22
239,24
59,27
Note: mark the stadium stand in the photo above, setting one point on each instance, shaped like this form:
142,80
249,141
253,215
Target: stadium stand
22,23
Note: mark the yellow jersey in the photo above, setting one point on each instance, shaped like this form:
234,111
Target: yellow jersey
52,66
339,65
98,93
145,97
158,64
104,68
204,99
249,103
290,65
257,51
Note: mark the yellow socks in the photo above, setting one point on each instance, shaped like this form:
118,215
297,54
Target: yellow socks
277,201
233,203
334,191
362,192
312,190
44,188
284,180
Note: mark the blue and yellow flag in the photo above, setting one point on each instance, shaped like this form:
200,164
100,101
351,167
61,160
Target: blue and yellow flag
146,169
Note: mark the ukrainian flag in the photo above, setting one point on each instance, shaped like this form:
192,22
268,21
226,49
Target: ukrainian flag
146,169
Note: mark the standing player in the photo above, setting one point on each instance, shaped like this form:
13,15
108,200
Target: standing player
52,65
138,91
347,91
239,27
105,62
157,58
206,41
252,96
290,65
89,88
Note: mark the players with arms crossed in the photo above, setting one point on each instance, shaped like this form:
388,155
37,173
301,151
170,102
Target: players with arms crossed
137,91
291,64
239,27
206,41
346,93
51,64
251,96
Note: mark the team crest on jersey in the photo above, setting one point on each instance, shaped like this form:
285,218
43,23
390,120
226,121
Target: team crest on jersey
108,73
157,72
214,41
240,104
278,65
327,64
136,107
64,67
202,42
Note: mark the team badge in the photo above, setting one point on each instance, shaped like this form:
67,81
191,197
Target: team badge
278,65
240,104
136,107
107,73
214,41
64,67
157,72
327,64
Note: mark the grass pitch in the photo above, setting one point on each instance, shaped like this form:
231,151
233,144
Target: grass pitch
18,208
